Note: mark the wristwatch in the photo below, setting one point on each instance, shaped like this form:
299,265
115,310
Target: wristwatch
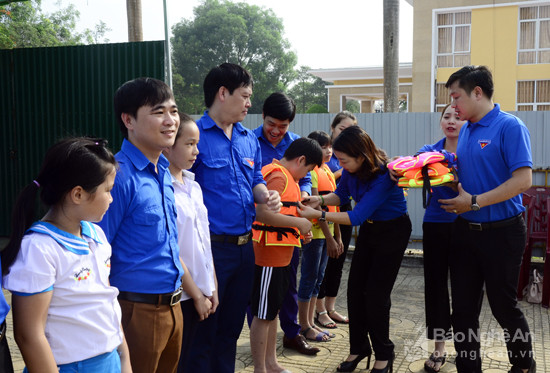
323,214
474,206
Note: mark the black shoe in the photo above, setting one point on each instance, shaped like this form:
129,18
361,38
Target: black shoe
532,368
387,369
300,344
349,366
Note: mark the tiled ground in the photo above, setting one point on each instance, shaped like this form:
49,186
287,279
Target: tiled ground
407,332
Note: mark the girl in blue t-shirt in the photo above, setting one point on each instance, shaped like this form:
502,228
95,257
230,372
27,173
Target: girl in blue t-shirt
381,210
66,315
436,242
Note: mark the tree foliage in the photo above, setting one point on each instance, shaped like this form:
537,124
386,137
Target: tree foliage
222,31
309,90
24,25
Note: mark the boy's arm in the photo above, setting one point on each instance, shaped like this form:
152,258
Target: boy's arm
29,322
202,303
267,216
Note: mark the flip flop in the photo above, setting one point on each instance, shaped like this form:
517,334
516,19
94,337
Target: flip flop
435,360
318,337
328,325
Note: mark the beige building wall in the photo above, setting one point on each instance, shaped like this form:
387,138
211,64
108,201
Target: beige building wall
493,43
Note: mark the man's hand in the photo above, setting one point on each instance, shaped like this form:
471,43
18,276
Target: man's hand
458,205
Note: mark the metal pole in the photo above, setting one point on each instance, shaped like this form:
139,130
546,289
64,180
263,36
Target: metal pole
167,53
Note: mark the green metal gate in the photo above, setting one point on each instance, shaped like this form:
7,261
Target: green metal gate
50,93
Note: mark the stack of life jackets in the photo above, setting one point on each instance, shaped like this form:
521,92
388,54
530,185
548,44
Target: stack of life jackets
425,170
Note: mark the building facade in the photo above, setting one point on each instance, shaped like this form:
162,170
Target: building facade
511,37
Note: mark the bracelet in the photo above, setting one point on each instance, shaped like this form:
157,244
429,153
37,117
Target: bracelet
322,200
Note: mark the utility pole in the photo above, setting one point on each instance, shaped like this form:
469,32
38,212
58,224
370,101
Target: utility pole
391,56
133,13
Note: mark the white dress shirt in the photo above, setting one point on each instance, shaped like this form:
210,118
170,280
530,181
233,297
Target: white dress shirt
194,233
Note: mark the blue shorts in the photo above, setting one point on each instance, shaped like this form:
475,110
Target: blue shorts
108,362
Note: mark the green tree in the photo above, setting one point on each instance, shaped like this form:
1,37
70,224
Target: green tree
222,31
353,106
308,90
24,25
316,108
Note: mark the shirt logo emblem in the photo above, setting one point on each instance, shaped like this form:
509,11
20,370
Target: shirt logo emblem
483,143
250,162
83,274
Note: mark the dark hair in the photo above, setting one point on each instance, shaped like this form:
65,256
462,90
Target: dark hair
341,116
472,76
226,75
184,118
306,147
355,142
71,162
279,106
136,93
321,137
443,111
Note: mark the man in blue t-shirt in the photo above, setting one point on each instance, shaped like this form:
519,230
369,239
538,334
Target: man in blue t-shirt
278,112
494,168
228,169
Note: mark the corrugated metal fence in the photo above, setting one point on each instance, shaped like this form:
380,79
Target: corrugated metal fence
404,133
49,93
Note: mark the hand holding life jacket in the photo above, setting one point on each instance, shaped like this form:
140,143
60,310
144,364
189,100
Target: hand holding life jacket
425,170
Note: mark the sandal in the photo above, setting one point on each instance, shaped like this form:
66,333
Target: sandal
340,319
329,325
435,360
325,332
319,337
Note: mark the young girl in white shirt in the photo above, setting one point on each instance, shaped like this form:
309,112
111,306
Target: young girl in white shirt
66,315
193,235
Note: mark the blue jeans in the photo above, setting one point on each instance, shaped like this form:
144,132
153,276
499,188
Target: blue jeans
106,363
314,262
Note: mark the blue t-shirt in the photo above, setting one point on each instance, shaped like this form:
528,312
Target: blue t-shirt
488,152
378,199
434,213
4,307
141,225
227,171
334,164
270,152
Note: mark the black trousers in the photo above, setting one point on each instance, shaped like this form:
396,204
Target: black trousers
333,271
491,257
436,244
378,254
6,365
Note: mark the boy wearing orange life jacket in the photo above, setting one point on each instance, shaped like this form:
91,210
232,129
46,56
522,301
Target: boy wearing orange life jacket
274,240
326,237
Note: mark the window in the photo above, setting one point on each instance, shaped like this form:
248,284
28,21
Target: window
442,97
534,35
533,95
453,39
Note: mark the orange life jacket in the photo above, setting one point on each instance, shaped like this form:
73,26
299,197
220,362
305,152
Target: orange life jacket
326,183
280,236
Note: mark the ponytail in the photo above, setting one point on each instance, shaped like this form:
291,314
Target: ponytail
22,217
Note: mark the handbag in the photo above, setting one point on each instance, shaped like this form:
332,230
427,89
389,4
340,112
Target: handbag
533,291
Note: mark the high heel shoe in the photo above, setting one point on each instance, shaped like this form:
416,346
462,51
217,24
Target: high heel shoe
387,369
349,366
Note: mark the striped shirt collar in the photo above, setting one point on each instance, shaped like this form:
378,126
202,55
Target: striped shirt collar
69,241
